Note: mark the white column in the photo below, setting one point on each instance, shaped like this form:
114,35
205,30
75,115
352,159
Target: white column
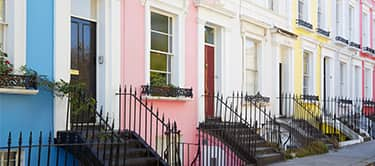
200,95
113,59
62,57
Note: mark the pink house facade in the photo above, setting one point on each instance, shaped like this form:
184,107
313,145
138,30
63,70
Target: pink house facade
158,48
367,41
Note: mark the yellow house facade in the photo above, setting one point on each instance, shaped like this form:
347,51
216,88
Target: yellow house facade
310,20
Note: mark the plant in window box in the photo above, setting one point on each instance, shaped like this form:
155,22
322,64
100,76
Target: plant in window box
159,86
30,76
5,66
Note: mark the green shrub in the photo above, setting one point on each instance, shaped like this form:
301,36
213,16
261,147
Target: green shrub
314,148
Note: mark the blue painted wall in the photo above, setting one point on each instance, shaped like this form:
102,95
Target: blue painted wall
25,113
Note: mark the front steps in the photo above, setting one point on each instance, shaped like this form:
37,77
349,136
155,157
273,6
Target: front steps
303,133
265,153
106,148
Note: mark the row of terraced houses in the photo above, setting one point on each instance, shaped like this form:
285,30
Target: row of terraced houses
184,82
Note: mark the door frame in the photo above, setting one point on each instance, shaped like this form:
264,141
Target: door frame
96,50
108,46
214,46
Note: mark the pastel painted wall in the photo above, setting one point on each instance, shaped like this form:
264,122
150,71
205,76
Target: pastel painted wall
133,63
25,113
299,46
367,58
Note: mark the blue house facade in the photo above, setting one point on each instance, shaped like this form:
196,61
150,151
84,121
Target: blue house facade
28,39
39,34
28,110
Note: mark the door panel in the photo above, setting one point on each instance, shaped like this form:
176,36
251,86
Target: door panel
209,80
83,58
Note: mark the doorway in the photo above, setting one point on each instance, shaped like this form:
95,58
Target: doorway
209,71
83,59
284,79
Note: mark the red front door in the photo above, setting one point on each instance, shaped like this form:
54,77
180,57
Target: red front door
209,80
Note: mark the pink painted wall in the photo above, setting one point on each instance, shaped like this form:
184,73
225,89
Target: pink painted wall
133,68
363,54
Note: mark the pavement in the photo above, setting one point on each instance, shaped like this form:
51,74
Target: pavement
354,155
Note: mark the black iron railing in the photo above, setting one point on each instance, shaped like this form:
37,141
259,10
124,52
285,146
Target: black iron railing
167,91
36,149
355,45
304,23
213,148
342,40
353,113
223,122
369,50
159,133
323,32
18,81
304,119
253,109
368,110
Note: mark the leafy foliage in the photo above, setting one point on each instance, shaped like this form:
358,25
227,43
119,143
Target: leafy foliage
5,66
79,99
314,148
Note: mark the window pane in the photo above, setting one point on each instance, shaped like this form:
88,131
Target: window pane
159,42
306,73
159,79
251,54
306,62
251,82
159,62
300,9
2,10
159,22
209,35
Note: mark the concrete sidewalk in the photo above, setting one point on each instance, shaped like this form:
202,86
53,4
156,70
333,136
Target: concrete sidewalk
359,154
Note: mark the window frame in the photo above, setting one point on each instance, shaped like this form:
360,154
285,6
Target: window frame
321,13
258,47
15,31
365,30
272,5
307,87
169,55
367,82
342,78
351,19
302,12
5,25
3,157
357,81
339,21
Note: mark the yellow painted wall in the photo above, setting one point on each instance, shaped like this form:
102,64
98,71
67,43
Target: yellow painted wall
298,65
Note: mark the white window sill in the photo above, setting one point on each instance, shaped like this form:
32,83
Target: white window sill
339,43
168,98
18,91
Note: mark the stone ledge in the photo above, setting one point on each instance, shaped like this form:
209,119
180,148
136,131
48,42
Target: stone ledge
18,91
